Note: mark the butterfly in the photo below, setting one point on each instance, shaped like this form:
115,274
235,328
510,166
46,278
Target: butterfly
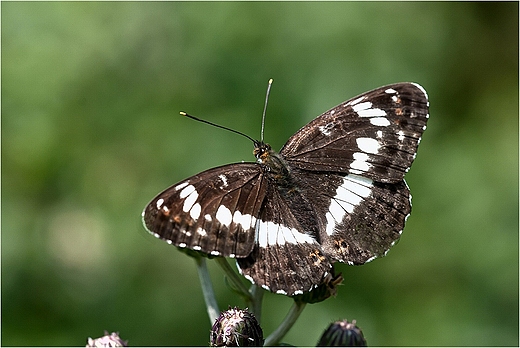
334,193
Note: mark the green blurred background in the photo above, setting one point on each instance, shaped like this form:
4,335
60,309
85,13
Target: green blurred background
90,133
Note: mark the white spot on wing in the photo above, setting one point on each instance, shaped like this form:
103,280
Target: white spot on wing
159,203
335,215
245,220
326,129
391,91
371,112
352,193
248,277
372,258
360,161
355,101
336,211
270,233
186,191
380,121
180,186
349,195
224,180
362,186
362,106
190,200
400,135
224,215
195,211
368,145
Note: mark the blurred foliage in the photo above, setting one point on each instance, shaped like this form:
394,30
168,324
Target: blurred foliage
90,133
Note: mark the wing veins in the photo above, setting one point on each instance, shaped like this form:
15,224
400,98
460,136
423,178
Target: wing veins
221,198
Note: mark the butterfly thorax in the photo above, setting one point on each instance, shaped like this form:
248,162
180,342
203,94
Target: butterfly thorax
274,165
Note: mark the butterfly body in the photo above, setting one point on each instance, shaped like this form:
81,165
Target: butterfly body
335,192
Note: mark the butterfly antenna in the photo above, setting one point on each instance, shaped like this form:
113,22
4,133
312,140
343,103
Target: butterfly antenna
217,125
265,108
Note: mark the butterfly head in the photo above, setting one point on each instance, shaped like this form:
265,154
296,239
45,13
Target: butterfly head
262,151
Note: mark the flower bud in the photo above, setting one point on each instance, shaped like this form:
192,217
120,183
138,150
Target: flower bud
112,340
342,334
236,328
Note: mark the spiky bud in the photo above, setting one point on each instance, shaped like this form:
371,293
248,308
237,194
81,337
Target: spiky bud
109,340
342,334
236,328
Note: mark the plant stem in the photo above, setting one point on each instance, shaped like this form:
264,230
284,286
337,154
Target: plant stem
257,294
285,326
207,289
236,282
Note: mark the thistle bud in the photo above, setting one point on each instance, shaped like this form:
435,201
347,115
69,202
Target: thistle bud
342,334
236,328
109,340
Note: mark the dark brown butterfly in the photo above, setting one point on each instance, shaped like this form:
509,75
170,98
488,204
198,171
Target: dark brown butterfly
334,192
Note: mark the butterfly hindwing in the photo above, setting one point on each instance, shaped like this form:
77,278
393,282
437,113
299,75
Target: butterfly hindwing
360,218
287,257
213,212
375,135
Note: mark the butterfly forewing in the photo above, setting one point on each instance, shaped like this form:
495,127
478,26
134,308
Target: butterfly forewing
375,135
213,212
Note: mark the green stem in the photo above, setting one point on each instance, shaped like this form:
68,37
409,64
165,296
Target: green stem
285,326
236,282
207,289
256,305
